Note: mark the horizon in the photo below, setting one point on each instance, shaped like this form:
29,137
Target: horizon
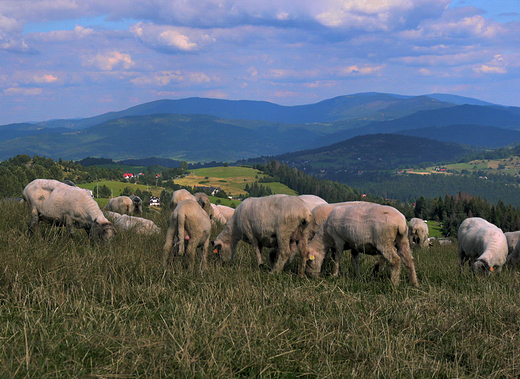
71,61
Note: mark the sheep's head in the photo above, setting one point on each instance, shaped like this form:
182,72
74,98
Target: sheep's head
222,249
314,258
103,231
481,267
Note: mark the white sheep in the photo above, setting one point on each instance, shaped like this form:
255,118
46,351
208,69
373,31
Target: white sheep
312,200
190,228
60,204
513,247
364,228
180,195
139,225
125,204
226,211
203,200
483,244
276,221
217,215
418,233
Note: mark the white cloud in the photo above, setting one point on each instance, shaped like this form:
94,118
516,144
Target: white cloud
23,91
485,69
48,78
111,60
356,70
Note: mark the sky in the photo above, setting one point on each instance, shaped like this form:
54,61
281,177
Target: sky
82,58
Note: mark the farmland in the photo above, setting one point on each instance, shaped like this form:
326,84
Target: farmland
71,308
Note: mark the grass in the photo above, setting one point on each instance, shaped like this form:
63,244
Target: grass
231,179
118,187
71,308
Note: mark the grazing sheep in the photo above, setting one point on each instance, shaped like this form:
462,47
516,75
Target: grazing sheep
483,244
204,202
318,216
273,221
190,228
217,215
60,204
226,211
179,196
112,216
418,232
364,228
125,204
512,241
138,224
312,200
513,247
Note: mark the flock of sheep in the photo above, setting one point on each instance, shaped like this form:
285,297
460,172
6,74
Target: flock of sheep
304,225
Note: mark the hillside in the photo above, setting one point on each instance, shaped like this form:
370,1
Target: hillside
205,130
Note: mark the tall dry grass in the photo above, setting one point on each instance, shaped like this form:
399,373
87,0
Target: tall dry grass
70,308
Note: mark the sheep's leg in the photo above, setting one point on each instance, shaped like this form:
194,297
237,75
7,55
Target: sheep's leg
339,245
380,261
258,251
463,258
355,263
283,256
34,221
393,259
406,256
69,225
191,250
205,249
167,249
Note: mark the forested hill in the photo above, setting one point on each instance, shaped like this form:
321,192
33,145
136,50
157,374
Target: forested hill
374,152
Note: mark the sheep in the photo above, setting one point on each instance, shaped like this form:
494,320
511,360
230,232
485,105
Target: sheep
180,195
138,224
112,216
513,247
217,215
203,200
226,211
483,244
318,216
365,228
512,240
60,204
125,204
189,224
271,221
418,232
312,200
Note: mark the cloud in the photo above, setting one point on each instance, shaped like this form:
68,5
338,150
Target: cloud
45,78
23,91
485,69
356,70
110,61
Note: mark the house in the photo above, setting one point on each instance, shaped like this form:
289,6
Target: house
128,175
154,201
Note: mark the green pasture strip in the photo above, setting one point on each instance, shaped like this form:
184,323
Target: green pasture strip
118,187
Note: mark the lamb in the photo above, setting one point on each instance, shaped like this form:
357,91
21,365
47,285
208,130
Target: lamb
483,244
125,204
418,232
226,211
138,224
60,204
365,228
272,221
513,247
189,224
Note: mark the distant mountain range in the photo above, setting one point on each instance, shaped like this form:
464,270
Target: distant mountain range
202,130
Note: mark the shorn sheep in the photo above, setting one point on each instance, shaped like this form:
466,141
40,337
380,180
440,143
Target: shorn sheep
125,205
190,228
483,244
59,204
418,232
276,221
364,228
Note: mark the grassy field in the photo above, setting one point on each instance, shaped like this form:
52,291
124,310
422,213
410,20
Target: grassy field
231,179
70,308
118,187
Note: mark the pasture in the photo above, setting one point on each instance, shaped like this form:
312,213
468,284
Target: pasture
231,179
70,308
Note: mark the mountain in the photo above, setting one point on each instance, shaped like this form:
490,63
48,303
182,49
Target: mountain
204,130
185,137
370,106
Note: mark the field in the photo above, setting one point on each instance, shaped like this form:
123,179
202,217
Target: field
508,166
231,179
70,308
118,187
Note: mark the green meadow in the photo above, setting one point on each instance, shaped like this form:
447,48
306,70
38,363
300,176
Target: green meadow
71,308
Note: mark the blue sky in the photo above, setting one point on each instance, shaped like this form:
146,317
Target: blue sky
72,58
